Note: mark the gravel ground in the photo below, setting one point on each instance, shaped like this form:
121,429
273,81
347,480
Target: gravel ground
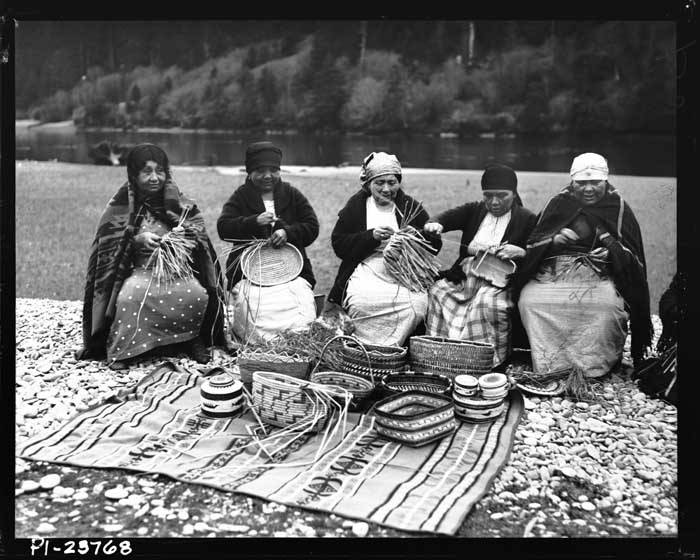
602,468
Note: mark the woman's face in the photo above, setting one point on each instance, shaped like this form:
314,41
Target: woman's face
589,192
498,201
151,178
384,189
265,177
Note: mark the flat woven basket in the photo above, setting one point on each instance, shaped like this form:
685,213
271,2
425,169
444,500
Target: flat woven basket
395,383
450,357
360,387
252,360
265,265
382,359
284,401
414,418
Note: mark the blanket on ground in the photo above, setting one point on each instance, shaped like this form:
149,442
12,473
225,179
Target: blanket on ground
157,427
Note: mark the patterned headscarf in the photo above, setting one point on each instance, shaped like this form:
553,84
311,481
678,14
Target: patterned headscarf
377,164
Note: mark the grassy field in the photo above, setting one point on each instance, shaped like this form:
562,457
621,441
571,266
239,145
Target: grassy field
58,205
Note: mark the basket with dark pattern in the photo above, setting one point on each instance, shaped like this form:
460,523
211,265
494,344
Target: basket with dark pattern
450,357
252,360
395,383
382,359
360,387
284,401
414,418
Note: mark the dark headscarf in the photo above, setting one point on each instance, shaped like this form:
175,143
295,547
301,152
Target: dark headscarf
262,154
497,176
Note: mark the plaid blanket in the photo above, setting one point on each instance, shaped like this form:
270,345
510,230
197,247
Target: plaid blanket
472,309
157,427
112,256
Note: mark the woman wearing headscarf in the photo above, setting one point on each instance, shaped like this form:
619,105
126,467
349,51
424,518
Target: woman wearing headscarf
131,306
265,207
584,276
383,312
466,306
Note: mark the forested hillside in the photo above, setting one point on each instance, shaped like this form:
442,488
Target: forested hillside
465,77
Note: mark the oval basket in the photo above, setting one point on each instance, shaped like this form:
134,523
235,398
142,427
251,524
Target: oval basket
250,361
265,265
450,357
395,383
283,401
383,360
361,387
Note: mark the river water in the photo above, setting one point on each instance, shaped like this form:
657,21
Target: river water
627,154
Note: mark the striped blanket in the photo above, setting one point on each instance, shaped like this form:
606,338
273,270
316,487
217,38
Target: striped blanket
156,427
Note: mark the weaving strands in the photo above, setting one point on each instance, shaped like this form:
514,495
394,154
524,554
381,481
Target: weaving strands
156,427
410,260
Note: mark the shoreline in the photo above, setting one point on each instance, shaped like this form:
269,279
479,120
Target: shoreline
347,170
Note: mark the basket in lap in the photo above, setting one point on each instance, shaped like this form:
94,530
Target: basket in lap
382,359
360,387
265,265
450,357
284,401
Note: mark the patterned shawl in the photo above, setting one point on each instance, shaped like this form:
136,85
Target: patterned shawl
626,256
112,256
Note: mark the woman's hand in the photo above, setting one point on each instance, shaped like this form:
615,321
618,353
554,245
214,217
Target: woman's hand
278,238
509,251
565,236
265,219
147,240
382,233
433,227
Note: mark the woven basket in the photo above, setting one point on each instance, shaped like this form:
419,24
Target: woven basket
414,418
383,360
250,361
492,268
450,357
360,386
269,266
283,401
395,383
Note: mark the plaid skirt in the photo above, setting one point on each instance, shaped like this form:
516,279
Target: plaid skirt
474,310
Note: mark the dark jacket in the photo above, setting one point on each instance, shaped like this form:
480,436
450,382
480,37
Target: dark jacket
468,218
295,216
353,242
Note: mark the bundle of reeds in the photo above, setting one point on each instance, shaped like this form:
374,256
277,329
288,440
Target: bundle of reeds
307,343
410,259
172,258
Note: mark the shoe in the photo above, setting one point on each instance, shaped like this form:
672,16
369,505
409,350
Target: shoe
118,365
198,352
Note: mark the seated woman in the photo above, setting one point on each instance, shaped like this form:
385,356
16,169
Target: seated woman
383,312
584,275
465,306
267,207
130,306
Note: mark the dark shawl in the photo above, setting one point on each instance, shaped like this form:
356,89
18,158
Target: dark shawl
626,253
353,242
112,261
295,215
468,218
